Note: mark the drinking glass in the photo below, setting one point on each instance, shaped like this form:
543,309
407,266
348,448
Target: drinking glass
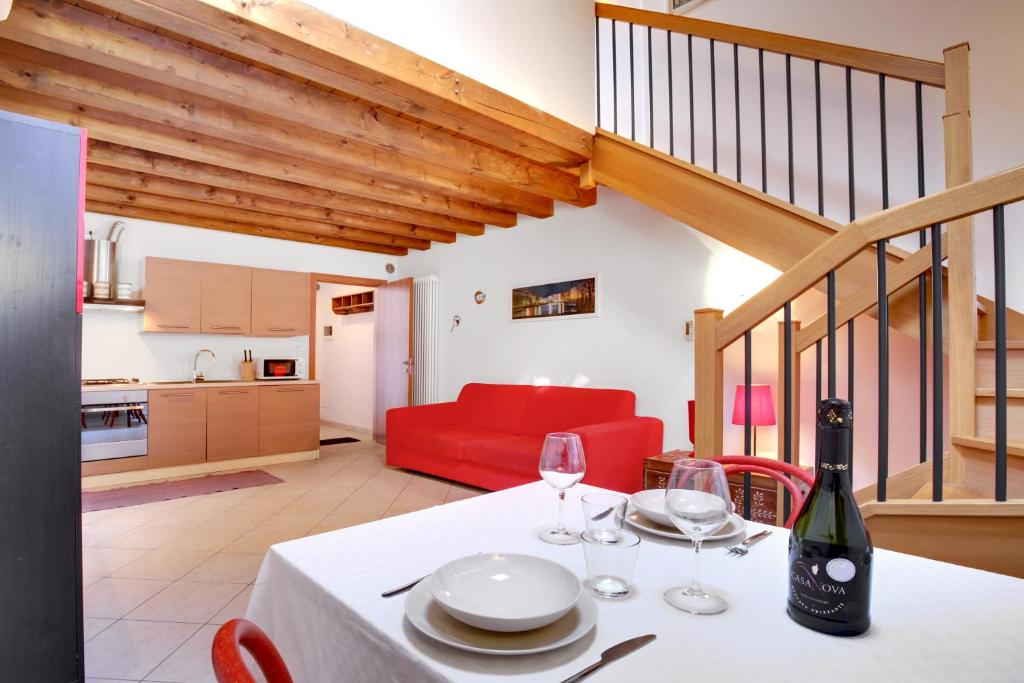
603,514
562,465
697,501
610,561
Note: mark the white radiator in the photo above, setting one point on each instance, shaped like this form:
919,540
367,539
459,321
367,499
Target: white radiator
426,313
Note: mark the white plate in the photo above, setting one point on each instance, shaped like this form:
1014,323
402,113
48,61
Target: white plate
430,619
635,518
651,503
505,591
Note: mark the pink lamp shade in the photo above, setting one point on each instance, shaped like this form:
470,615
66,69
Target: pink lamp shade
762,406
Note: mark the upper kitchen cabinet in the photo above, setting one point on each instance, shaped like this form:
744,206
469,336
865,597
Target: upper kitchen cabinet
226,299
173,295
280,303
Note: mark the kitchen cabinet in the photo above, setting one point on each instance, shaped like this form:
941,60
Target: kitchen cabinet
280,303
177,427
173,295
232,423
289,418
226,301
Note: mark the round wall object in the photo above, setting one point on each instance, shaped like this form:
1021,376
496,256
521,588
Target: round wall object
479,297
390,268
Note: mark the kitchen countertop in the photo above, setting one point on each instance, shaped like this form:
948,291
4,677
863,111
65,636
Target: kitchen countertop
210,384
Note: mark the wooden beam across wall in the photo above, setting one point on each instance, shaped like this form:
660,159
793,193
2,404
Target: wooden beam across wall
301,40
163,166
129,211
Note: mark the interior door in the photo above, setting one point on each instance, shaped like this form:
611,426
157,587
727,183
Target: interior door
392,350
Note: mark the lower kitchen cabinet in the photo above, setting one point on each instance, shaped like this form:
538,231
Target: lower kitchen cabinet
177,427
289,418
232,423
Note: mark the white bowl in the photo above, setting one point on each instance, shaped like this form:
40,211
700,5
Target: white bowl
509,593
651,504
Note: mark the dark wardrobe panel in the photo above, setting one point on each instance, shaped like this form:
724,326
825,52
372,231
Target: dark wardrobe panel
40,353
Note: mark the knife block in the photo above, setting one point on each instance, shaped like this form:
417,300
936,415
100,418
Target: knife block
247,370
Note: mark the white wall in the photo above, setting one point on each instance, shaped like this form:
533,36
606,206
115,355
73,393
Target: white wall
540,51
344,361
113,344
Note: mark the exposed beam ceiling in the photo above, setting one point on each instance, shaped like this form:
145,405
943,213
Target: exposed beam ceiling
279,116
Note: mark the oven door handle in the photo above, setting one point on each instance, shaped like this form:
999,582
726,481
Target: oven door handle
113,409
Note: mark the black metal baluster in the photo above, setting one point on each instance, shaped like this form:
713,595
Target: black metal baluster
615,82
789,127
689,64
597,59
764,142
787,398
632,87
883,372
850,180
671,103
714,112
817,387
736,95
922,296
885,143
817,118
850,339
747,449
937,381
650,83
831,281
999,249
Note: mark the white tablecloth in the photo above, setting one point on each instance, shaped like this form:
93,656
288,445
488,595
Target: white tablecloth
319,599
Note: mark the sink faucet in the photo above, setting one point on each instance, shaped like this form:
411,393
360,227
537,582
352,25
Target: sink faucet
196,375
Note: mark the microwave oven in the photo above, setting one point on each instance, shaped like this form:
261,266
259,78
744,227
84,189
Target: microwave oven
280,368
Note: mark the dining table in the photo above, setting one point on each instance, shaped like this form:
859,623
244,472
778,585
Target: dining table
319,599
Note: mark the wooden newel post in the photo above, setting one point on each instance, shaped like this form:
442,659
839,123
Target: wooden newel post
707,357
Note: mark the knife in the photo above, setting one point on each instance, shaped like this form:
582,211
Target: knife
611,654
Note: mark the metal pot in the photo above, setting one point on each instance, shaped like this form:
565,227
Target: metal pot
101,262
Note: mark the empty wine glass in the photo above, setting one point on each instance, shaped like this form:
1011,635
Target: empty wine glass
697,501
562,465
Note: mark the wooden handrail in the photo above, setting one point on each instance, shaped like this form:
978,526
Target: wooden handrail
895,66
963,200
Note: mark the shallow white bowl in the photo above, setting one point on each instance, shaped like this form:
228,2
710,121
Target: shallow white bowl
509,593
651,504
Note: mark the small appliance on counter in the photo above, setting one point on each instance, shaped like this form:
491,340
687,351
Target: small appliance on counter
280,368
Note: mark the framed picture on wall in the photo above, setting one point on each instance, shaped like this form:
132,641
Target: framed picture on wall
575,298
682,6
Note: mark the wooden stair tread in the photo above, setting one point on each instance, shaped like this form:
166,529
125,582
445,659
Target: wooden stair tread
990,345
989,391
949,492
983,444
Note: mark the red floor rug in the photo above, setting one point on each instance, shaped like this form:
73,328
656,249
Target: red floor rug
169,490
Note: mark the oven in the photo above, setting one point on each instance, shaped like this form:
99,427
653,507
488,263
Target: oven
115,424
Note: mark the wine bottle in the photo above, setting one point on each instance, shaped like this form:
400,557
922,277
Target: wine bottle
829,548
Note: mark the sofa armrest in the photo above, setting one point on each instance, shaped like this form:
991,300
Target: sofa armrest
615,451
430,415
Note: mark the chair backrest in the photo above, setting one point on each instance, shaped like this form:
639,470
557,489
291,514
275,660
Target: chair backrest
228,665
783,472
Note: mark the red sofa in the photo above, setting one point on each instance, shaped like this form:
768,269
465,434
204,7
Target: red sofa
491,436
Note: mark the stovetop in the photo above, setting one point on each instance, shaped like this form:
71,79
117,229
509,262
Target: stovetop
109,380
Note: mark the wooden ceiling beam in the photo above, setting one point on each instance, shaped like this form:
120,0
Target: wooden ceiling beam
301,40
33,70
129,211
124,130
73,32
133,181
219,212
163,166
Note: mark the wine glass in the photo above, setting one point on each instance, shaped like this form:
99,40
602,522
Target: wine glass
562,465
697,501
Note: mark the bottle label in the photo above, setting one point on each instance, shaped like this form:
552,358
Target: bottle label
820,588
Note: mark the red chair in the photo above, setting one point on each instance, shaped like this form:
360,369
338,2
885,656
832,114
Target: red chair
782,472
228,665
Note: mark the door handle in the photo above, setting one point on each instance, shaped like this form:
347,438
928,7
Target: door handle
174,327
176,395
225,327
281,329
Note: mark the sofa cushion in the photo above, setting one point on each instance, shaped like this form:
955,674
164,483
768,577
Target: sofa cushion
443,442
557,409
493,407
520,454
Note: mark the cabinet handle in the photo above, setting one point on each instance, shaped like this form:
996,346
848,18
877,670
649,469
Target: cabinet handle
189,393
235,391
289,390
281,329
225,327
114,409
174,327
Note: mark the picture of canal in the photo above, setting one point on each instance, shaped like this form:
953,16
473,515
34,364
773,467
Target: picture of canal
556,299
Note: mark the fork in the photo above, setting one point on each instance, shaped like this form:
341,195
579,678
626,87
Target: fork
744,547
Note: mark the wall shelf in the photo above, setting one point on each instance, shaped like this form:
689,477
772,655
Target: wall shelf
126,305
353,303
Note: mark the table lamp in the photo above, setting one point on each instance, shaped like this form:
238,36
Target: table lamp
762,408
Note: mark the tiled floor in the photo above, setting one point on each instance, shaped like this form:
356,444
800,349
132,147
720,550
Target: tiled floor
160,578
